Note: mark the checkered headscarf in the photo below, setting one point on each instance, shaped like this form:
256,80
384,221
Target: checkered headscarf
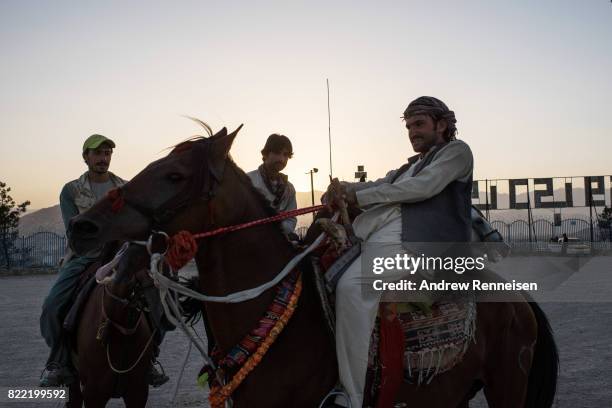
428,105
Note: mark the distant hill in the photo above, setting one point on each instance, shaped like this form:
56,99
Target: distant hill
50,219
46,219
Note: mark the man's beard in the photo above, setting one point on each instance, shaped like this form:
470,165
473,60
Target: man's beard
427,142
275,168
99,168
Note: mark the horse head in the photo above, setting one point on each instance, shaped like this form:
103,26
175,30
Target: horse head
486,240
129,268
171,194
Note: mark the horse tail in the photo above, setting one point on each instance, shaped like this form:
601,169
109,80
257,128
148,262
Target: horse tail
542,383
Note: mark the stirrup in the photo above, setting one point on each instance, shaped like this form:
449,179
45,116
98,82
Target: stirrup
62,375
336,391
161,376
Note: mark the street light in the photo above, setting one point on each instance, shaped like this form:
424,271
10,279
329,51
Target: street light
311,172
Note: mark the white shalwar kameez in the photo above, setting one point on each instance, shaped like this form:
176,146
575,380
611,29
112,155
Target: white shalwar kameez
381,223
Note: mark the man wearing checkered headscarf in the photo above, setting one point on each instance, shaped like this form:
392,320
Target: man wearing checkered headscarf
437,110
428,199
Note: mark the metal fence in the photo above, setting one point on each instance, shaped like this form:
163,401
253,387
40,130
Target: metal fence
544,230
540,230
41,249
45,249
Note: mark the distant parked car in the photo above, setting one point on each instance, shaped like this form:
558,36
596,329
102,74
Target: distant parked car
576,246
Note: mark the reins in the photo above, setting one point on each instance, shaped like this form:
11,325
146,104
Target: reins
183,246
106,320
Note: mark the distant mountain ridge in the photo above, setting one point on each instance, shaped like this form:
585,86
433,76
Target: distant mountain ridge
45,219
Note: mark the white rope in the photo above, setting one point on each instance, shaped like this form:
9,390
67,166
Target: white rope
102,276
168,289
236,297
174,315
181,372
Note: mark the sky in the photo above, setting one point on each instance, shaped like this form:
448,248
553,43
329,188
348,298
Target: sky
530,83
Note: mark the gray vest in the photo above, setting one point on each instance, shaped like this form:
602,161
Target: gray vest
84,197
445,217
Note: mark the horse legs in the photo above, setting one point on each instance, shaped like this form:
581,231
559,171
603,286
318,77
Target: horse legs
95,397
96,402
75,398
507,374
466,401
136,397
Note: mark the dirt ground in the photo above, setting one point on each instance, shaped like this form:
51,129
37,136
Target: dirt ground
583,333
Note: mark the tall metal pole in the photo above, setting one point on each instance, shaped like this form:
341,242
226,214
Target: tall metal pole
487,196
589,188
331,173
311,188
529,216
311,172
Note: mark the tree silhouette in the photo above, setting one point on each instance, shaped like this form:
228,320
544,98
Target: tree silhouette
605,218
9,221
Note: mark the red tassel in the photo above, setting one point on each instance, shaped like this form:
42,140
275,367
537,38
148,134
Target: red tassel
391,348
181,250
116,198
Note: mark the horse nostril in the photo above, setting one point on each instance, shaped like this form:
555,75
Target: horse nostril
84,228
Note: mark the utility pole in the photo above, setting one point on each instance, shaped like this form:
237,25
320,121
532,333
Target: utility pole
311,172
331,172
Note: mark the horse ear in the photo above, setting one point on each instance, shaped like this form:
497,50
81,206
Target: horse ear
235,132
220,150
220,134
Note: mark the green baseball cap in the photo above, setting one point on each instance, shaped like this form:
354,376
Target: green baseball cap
94,141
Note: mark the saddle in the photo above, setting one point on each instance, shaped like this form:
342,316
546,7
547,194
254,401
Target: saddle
410,343
433,339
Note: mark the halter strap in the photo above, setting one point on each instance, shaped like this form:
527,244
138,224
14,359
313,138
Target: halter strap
123,330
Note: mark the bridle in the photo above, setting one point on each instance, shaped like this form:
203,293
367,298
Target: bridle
203,185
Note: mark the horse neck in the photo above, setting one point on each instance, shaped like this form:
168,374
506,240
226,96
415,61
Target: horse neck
237,261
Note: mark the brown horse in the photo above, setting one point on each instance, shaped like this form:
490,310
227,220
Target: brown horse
113,338
197,187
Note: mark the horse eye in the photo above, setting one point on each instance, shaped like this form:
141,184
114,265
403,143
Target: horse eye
175,177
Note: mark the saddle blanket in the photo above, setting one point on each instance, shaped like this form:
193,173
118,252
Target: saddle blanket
435,341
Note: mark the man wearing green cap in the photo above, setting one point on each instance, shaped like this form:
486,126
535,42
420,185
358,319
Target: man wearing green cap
76,197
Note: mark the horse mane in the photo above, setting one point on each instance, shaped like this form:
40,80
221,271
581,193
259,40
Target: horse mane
188,143
246,181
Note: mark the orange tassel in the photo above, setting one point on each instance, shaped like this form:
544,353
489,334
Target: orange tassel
182,249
